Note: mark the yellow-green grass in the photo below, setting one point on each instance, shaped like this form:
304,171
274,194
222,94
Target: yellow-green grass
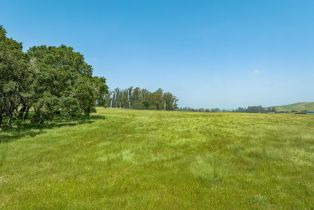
162,160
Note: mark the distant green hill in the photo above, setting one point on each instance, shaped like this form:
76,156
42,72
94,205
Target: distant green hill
304,106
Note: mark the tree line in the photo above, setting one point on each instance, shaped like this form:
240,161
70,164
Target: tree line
256,109
138,98
190,109
249,109
46,81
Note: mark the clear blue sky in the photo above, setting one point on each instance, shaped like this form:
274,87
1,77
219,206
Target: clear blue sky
214,53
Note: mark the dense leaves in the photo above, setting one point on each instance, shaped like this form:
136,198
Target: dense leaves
15,76
46,80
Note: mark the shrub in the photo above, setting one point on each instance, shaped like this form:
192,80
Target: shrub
70,107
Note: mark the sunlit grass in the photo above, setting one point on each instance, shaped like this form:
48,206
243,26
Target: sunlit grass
163,160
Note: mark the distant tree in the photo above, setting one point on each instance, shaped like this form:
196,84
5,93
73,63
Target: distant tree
157,98
255,109
125,99
130,97
146,104
169,101
147,98
137,98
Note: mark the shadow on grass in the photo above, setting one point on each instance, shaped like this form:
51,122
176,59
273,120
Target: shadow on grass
24,128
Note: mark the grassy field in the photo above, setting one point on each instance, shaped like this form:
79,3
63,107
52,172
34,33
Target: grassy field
124,159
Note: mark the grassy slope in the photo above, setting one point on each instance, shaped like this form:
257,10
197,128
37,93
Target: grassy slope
305,106
163,160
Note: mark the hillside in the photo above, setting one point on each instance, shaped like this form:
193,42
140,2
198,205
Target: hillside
305,106
127,159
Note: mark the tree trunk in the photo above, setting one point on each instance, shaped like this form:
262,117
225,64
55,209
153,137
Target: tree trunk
22,111
10,115
26,113
1,118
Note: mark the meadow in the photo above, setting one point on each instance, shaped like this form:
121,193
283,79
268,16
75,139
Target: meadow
128,159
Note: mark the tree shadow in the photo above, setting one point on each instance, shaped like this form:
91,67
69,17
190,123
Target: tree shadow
23,128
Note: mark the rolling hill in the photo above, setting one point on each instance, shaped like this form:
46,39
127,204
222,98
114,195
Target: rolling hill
304,106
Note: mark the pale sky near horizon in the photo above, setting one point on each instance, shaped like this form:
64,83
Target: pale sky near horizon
215,53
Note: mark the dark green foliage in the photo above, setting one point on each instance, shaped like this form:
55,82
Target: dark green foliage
15,76
101,89
45,108
46,80
69,107
84,92
146,104
137,98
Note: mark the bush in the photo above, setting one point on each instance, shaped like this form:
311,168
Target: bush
45,108
70,107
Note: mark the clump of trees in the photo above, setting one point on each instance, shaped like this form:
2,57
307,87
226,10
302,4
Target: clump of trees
256,109
46,81
138,98
189,109
249,109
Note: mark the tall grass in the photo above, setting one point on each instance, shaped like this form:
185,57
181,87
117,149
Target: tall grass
162,160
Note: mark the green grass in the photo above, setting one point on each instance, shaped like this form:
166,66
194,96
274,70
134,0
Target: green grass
299,107
162,160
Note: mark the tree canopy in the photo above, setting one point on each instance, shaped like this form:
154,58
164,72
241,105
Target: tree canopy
48,80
